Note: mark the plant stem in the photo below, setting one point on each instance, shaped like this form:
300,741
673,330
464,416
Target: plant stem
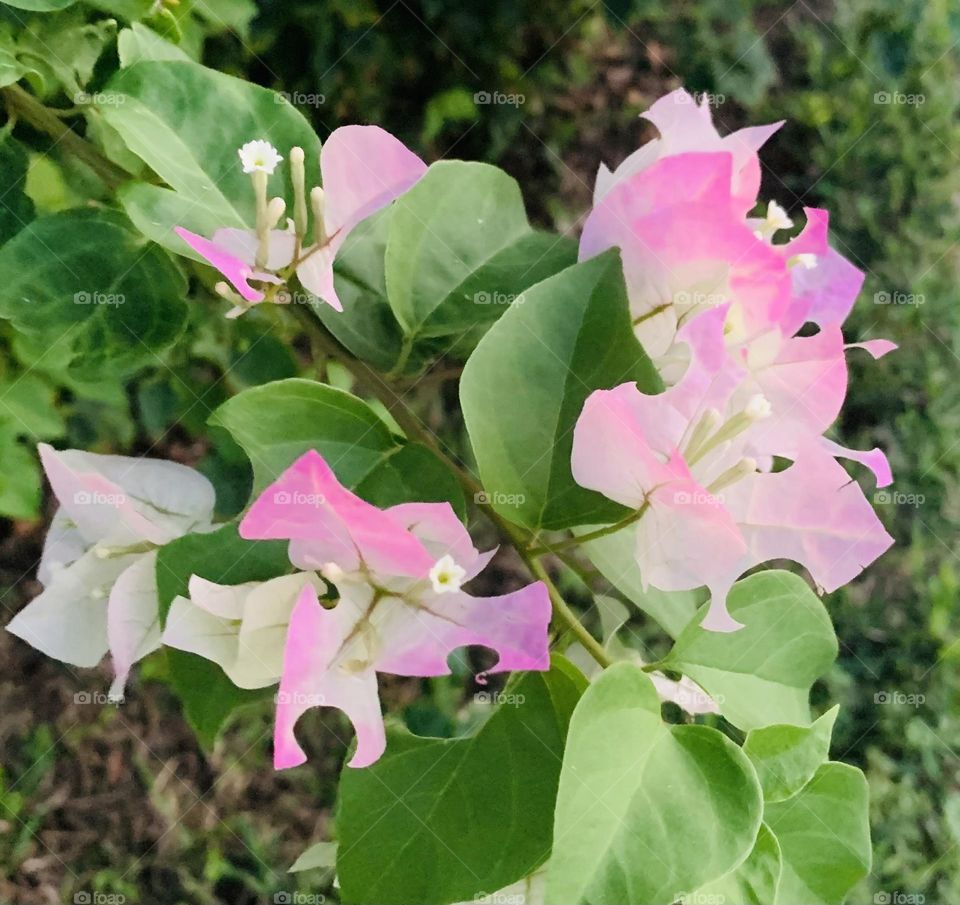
565,614
25,106
625,522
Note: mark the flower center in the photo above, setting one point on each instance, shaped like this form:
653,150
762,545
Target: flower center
446,576
711,430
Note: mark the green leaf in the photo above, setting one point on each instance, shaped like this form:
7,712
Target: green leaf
786,757
186,122
222,556
19,478
571,335
66,49
443,820
754,882
646,810
278,422
12,69
367,325
616,558
127,10
824,837
16,208
138,43
40,6
761,674
322,855
461,249
28,407
97,297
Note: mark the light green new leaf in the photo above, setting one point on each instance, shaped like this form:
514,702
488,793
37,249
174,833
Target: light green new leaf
442,820
92,293
786,757
186,122
646,810
278,422
824,837
40,6
19,478
138,43
320,856
762,673
754,882
28,407
524,387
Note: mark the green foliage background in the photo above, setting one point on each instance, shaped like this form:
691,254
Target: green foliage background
887,171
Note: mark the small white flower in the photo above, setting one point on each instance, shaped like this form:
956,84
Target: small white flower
259,155
805,260
777,217
758,407
446,576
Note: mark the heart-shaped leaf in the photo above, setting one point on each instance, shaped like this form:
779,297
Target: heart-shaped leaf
646,810
762,673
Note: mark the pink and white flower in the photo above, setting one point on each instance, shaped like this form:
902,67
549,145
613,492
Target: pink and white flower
401,608
695,459
99,558
363,169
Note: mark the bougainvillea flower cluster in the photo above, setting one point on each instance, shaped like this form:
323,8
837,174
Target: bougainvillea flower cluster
99,560
719,307
401,609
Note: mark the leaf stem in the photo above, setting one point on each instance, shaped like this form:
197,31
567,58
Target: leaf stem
25,106
576,540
